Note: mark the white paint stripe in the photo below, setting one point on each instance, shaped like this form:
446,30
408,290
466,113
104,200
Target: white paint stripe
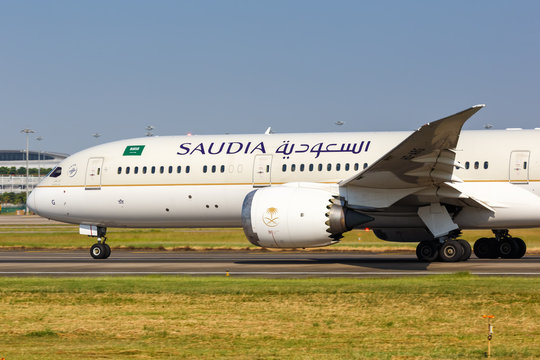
319,273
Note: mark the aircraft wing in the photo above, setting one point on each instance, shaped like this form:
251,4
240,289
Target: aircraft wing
426,157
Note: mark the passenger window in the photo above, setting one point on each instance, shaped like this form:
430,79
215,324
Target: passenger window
267,168
476,165
161,169
222,168
467,165
302,167
284,168
56,172
338,167
293,167
310,167
144,170
153,169
119,170
525,165
347,167
213,168
98,171
365,165
356,167
127,170
329,167
486,164
319,167
205,169
178,169
188,169
136,170
170,169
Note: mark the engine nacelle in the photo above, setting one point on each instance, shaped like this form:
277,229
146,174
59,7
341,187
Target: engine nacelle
294,216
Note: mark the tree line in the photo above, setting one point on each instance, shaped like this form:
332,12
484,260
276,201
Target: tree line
4,170
13,198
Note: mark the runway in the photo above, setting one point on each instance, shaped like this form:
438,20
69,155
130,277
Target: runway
250,264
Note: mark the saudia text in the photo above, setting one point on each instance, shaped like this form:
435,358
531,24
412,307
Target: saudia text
286,149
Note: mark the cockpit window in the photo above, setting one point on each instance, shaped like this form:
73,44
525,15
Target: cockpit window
57,171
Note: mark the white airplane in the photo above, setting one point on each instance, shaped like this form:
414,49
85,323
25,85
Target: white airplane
306,190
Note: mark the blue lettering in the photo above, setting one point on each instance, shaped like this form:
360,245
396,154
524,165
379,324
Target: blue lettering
317,149
217,152
230,150
260,147
184,148
199,148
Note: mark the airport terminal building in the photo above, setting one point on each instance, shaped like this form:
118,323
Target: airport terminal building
17,159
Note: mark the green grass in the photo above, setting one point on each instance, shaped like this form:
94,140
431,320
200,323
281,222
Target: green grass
67,237
162,317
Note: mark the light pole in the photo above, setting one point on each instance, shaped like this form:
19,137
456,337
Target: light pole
39,138
27,132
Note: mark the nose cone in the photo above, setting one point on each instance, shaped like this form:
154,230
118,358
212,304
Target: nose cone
31,201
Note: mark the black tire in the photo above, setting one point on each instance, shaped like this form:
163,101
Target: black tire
508,248
467,251
97,251
522,248
427,251
482,248
107,251
493,248
451,251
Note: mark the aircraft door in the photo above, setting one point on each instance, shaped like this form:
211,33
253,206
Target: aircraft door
262,166
519,167
93,174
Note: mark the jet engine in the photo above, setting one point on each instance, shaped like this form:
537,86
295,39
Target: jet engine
296,216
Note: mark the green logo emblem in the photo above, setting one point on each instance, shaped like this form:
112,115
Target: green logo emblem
134,150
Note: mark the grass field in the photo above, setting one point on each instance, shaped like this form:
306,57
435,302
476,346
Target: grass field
209,318
67,237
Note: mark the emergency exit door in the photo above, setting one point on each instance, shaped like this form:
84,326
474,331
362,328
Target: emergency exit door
519,167
93,174
262,166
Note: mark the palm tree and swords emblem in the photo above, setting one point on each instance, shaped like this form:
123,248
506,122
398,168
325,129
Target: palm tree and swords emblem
270,217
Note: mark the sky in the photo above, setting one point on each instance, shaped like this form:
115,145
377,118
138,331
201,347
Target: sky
69,69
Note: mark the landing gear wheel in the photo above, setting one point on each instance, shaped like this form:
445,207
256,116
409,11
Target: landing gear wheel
107,251
467,251
451,251
98,251
508,248
483,248
494,248
427,251
522,248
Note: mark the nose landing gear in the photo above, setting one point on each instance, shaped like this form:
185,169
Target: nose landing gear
100,250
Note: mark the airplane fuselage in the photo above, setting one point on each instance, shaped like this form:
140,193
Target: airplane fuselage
201,181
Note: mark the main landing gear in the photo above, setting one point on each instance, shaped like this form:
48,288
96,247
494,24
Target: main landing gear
501,246
100,250
448,251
